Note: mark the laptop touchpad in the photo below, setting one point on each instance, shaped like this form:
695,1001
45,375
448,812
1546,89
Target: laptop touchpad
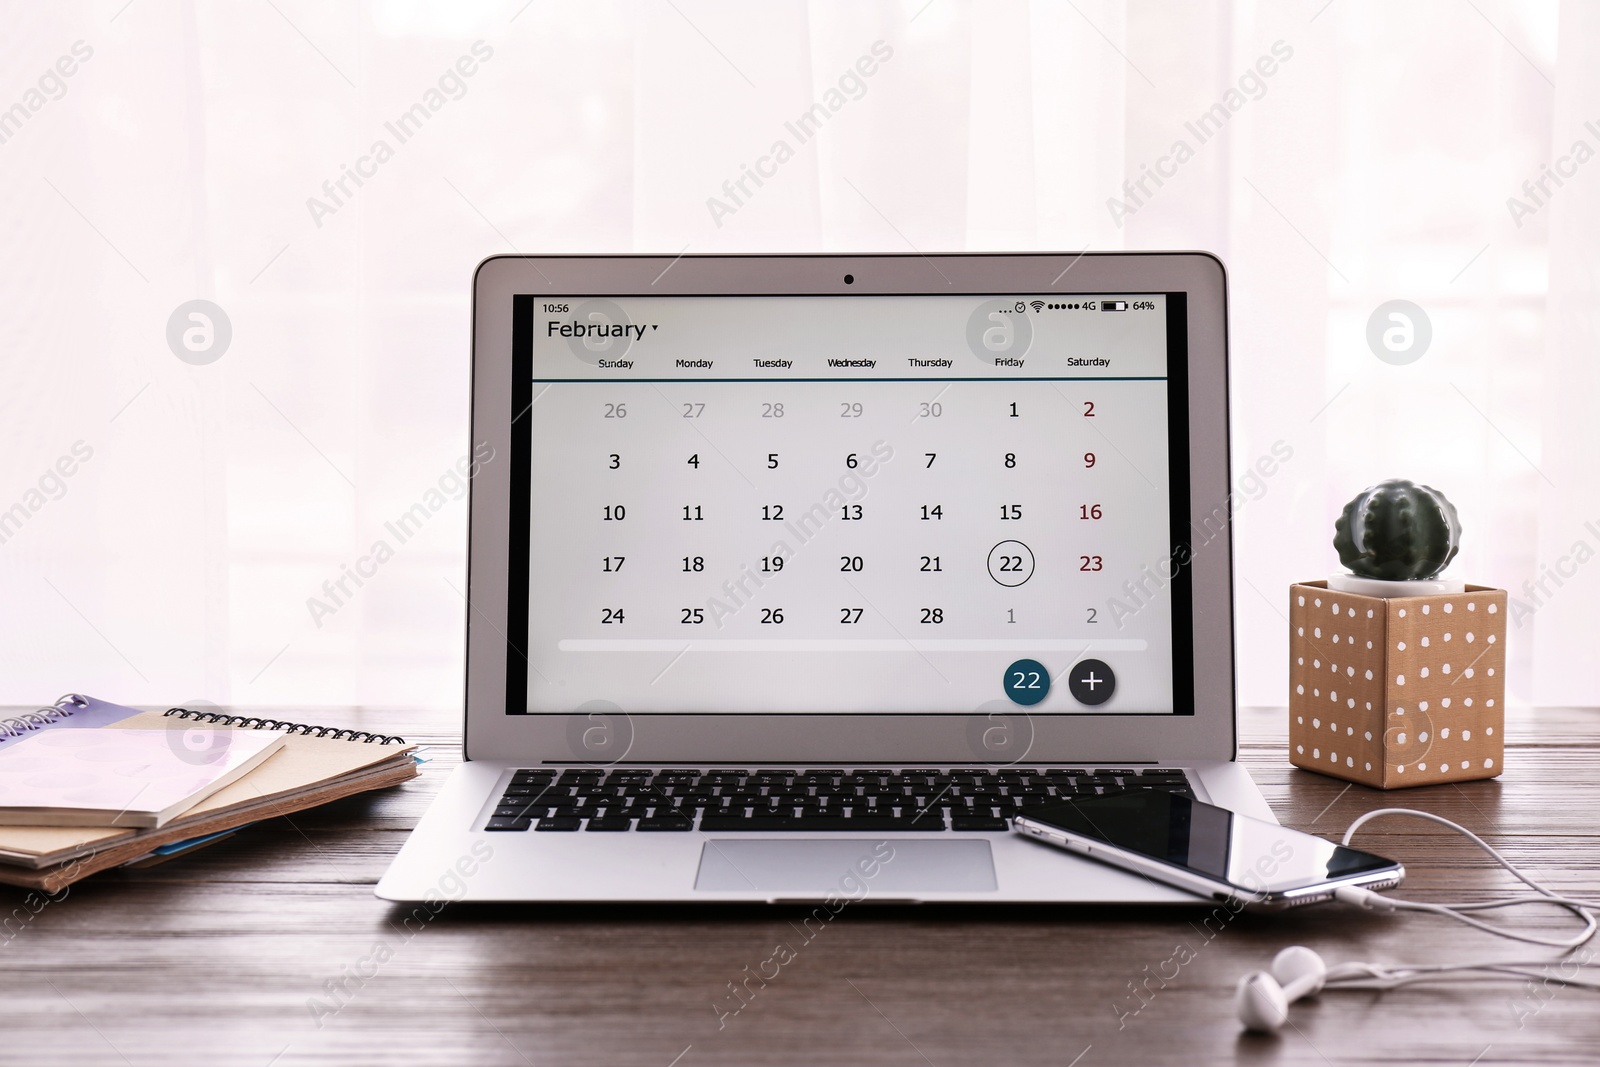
853,867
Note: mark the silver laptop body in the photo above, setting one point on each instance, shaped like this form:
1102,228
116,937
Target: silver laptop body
776,537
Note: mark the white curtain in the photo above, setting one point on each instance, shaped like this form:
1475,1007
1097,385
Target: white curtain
180,523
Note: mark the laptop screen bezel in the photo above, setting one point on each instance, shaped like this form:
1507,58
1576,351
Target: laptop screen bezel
498,498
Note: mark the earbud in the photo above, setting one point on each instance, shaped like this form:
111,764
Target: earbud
1263,998
1296,964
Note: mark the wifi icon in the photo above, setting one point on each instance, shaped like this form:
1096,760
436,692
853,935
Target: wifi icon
1038,306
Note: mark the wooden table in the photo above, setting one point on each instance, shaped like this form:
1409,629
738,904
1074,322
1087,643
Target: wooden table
271,949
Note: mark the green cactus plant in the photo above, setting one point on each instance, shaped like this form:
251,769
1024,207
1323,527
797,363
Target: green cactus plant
1397,531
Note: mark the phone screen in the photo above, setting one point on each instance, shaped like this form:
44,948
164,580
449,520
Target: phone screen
1254,855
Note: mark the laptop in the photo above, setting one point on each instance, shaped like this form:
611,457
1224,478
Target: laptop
792,578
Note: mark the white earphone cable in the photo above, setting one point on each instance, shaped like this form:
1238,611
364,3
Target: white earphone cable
1543,895
1262,999
1380,976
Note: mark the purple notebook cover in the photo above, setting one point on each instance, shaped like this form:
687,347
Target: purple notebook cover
75,712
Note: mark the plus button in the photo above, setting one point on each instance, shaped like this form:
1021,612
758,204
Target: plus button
1092,682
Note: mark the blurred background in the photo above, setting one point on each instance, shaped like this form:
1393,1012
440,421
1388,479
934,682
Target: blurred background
174,490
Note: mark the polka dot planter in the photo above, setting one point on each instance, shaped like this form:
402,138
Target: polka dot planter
1397,692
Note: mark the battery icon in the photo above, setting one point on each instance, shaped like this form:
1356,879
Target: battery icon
1113,305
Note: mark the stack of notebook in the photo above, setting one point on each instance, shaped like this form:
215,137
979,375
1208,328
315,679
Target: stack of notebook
311,766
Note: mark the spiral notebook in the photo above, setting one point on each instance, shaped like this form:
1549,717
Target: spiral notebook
317,764
77,710
73,711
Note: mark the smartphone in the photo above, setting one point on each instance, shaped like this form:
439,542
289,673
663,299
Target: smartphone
1205,849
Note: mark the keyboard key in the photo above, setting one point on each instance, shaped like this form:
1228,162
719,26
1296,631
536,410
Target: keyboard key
578,778
932,818
767,778
978,822
809,821
559,824
609,824
518,811
1174,788
506,823
665,824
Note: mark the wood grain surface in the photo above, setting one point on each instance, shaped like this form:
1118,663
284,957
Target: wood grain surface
270,949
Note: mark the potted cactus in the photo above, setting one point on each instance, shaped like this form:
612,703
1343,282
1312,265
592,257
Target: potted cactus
1396,675
1395,538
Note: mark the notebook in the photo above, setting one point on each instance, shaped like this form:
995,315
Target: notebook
73,711
109,777
316,765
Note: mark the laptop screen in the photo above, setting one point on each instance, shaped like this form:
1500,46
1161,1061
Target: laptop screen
872,504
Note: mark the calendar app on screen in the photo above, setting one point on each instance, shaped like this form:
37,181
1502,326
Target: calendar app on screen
862,504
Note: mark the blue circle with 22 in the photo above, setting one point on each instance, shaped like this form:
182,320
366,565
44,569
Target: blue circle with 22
1027,682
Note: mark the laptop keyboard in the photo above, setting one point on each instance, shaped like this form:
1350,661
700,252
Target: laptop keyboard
873,799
